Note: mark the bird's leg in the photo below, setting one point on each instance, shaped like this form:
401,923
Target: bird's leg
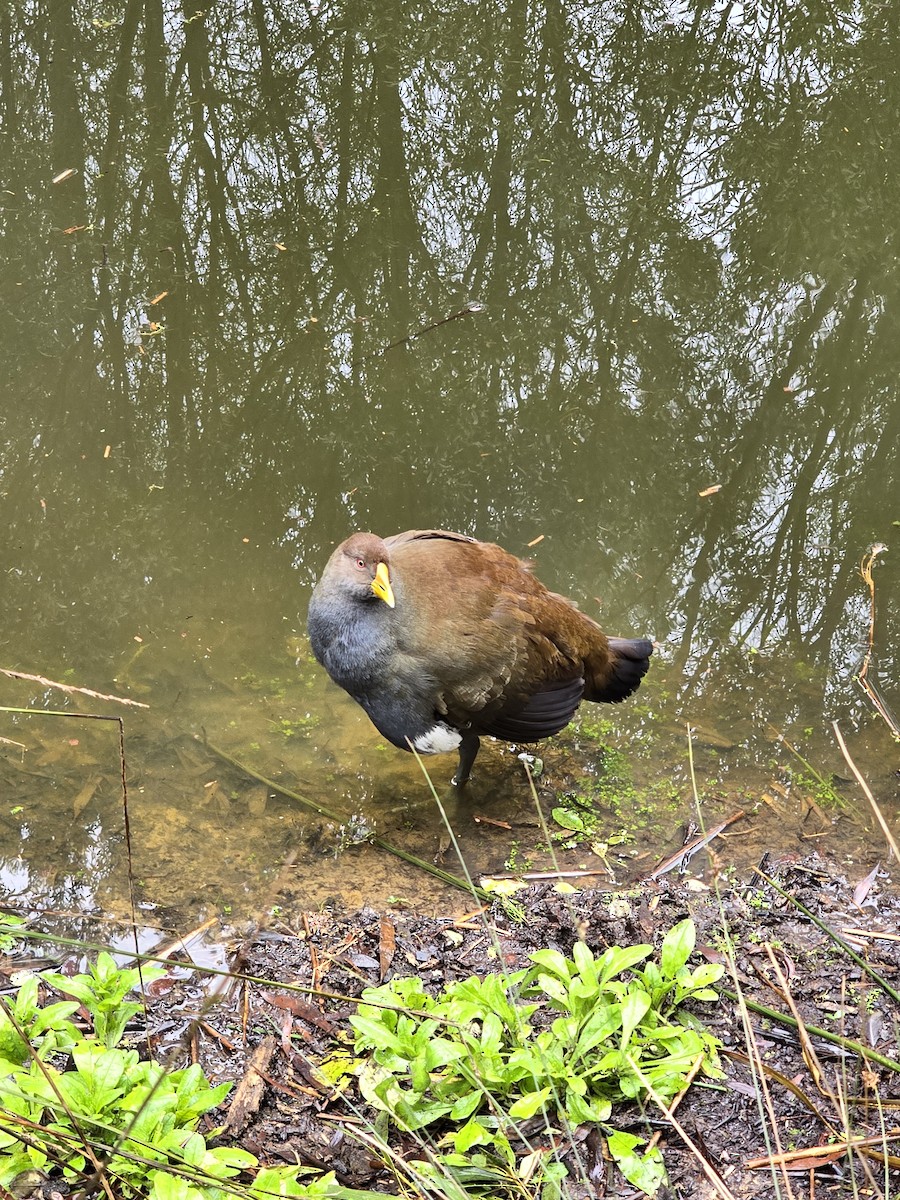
468,749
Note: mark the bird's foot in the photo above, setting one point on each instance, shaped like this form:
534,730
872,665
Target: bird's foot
534,766
468,749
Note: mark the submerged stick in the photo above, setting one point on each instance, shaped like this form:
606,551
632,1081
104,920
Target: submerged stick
72,691
834,795
686,853
331,815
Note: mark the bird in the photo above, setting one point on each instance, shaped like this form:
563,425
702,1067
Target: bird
443,639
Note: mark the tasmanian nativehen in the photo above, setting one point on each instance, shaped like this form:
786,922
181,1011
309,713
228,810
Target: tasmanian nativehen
442,638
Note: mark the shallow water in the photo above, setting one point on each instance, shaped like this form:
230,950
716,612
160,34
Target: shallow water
625,303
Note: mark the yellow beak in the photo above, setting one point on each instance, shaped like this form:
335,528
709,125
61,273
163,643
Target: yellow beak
381,585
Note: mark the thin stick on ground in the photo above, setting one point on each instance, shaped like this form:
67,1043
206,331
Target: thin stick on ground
865,967
718,1184
765,1107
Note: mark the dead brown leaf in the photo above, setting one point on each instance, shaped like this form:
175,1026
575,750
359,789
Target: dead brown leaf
387,945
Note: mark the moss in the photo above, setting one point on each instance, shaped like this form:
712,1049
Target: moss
516,861
582,812
296,726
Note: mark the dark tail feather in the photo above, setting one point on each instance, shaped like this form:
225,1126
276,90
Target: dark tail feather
629,663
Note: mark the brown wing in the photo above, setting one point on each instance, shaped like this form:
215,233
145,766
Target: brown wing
516,654
501,644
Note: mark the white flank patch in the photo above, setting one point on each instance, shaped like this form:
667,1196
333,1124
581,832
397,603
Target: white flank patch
440,739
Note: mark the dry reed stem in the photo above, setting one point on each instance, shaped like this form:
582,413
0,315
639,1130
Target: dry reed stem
862,675
831,1150
885,828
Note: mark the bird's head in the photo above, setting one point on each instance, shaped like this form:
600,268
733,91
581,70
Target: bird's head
363,568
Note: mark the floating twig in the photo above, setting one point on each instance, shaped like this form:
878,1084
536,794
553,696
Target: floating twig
474,306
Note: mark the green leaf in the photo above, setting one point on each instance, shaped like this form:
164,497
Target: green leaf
466,1105
471,1134
529,1104
705,994
584,960
677,947
644,1171
77,986
566,818
617,959
166,1186
54,1017
582,1110
13,1051
104,1068
554,988
599,1027
634,1008
553,961
224,1162
278,1181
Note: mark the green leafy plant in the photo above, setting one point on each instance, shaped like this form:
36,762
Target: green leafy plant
27,1029
70,1103
102,992
12,930
475,1058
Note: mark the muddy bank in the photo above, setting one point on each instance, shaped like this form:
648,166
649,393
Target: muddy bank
802,1089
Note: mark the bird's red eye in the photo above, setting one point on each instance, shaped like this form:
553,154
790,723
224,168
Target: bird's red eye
361,563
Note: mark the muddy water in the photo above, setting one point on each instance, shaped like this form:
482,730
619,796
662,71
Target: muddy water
625,302
210,838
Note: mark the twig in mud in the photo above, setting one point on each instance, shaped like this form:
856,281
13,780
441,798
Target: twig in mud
807,1049
827,1153
688,1080
72,691
865,967
755,1061
717,1183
